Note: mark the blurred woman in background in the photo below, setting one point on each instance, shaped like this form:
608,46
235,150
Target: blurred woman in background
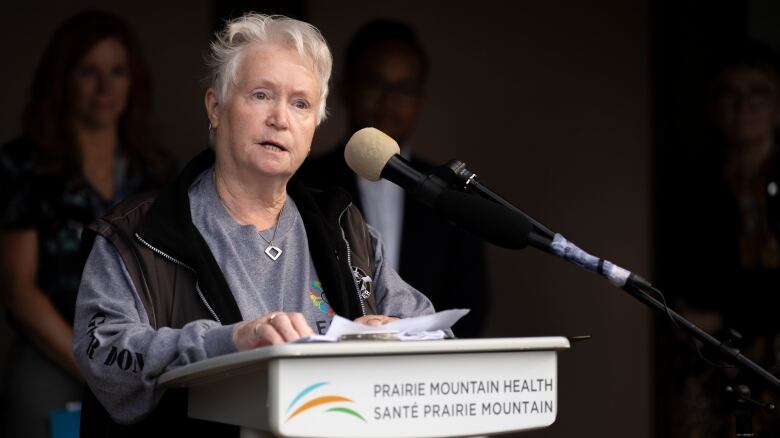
86,144
733,205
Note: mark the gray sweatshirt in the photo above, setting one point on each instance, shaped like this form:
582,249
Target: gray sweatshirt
122,356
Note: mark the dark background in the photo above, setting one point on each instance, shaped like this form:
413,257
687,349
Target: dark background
572,110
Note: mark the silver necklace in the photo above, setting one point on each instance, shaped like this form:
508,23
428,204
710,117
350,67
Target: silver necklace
272,251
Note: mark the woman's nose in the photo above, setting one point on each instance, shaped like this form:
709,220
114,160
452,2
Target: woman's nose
278,116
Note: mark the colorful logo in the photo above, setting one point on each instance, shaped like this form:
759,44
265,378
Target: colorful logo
316,297
320,401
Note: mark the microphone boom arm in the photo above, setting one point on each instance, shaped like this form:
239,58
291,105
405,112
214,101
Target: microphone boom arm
455,172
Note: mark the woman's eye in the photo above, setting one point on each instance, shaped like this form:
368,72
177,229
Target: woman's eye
261,95
301,104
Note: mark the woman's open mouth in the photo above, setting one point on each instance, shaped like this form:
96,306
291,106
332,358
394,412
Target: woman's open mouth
272,146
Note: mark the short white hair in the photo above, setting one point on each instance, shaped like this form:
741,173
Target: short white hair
253,28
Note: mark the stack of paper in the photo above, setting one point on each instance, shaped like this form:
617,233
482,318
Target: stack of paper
408,329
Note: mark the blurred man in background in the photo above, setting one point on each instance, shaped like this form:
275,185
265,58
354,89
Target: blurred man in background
383,84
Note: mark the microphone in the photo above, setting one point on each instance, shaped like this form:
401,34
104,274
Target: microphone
374,155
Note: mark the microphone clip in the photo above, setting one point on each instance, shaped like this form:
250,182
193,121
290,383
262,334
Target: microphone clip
455,175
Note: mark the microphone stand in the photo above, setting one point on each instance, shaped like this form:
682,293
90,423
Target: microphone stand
727,352
743,405
456,174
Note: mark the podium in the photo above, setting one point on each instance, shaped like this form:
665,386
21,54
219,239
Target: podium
446,388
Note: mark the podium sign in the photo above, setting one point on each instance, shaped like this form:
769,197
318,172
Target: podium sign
412,396
381,389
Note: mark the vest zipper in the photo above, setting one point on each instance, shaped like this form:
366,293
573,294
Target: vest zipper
173,260
349,261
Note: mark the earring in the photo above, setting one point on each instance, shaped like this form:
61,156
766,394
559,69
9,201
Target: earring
211,129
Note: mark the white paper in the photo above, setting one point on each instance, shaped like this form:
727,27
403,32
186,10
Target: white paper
419,328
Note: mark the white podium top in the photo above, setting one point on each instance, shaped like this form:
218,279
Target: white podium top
245,360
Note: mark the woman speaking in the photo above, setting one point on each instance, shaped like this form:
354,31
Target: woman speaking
235,254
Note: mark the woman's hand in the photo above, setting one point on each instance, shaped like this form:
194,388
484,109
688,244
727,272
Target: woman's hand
375,320
271,329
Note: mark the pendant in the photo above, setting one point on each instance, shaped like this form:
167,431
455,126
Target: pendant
273,252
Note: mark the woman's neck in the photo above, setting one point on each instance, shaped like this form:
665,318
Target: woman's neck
98,151
97,141
255,204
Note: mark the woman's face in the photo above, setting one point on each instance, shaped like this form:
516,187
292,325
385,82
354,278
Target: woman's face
100,84
267,122
746,106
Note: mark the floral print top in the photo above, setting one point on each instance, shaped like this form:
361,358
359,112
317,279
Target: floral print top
58,210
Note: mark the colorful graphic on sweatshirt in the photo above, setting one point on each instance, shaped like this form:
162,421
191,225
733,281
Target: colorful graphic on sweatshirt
316,297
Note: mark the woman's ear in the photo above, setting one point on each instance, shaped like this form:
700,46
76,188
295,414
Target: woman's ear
212,107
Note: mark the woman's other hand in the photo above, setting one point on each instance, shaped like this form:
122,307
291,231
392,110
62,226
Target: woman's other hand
375,320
